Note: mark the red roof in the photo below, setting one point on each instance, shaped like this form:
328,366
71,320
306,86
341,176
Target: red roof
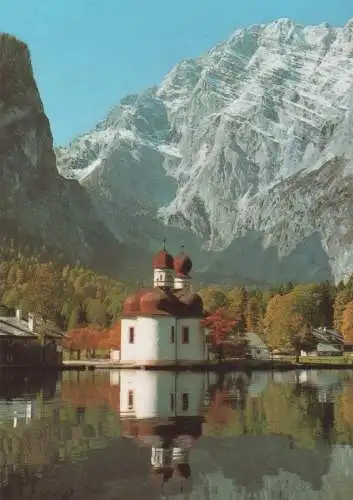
182,264
164,302
163,260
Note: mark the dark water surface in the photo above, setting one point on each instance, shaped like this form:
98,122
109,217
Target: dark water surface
148,435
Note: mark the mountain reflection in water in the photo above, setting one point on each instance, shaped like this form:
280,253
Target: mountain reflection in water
140,434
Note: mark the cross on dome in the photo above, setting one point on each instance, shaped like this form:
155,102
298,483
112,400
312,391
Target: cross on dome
163,259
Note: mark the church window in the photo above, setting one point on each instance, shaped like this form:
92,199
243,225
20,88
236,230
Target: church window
130,402
185,335
172,334
185,401
172,402
131,335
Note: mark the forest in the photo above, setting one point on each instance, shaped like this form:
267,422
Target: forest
88,306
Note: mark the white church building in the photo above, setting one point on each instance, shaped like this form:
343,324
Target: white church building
162,325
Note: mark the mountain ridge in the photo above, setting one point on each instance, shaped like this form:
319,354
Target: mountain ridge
38,207
251,138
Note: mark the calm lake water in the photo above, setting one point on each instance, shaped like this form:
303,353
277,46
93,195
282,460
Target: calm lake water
148,435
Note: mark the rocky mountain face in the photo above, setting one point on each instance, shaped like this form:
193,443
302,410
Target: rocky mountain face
246,152
37,206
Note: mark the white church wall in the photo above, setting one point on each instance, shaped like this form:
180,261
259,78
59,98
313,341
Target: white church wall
158,331
153,340
194,350
180,283
128,350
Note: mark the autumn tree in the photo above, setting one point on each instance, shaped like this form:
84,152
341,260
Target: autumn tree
213,298
288,322
237,306
219,325
96,312
111,337
83,339
253,315
42,294
342,299
347,322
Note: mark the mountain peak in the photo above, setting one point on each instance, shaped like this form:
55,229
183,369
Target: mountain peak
243,149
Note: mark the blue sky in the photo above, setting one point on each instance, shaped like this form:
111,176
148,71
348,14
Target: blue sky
87,54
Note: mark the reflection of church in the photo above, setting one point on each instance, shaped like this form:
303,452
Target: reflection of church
162,410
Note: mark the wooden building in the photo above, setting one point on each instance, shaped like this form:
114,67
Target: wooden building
21,344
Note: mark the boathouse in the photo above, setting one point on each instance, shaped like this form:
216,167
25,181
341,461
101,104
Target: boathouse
24,343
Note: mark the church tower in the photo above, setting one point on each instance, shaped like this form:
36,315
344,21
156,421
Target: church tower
182,268
163,269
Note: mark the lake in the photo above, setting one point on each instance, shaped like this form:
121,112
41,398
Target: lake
150,435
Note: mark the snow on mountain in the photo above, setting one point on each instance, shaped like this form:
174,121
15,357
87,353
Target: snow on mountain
248,148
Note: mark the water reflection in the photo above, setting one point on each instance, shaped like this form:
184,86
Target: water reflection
164,412
142,434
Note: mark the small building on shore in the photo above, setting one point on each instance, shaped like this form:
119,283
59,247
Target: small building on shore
256,346
23,342
323,349
162,325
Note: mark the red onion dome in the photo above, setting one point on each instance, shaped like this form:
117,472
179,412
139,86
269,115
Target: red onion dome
132,303
192,301
158,301
163,260
182,264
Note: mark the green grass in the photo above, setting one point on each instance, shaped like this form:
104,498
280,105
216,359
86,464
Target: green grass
334,360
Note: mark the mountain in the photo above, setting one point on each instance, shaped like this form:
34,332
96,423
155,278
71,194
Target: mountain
246,151
38,207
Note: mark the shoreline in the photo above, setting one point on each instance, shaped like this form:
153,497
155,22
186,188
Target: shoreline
230,365
215,366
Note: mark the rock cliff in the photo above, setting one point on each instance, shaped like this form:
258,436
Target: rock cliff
38,207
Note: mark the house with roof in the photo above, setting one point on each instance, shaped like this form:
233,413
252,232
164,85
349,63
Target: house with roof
24,343
162,324
256,346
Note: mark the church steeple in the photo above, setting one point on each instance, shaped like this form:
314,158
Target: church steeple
182,268
163,265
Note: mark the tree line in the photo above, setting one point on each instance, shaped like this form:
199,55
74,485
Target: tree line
88,306
285,315
75,299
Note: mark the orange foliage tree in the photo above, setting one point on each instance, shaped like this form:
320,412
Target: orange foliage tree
111,337
253,315
342,299
83,339
219,325
288,322
347,322
91,338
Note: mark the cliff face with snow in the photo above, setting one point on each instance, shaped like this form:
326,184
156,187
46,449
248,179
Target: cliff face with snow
247,149
38,207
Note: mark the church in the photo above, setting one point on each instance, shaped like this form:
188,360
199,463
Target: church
162,325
